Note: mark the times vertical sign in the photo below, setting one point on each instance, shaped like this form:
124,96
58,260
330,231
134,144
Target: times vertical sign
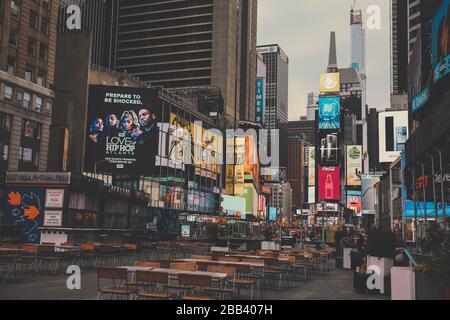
260,99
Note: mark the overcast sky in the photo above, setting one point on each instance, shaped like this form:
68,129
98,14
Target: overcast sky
302,29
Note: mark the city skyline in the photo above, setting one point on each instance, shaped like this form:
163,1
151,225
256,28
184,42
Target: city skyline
278,25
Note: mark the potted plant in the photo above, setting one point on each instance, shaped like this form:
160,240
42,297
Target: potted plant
381,246
433,277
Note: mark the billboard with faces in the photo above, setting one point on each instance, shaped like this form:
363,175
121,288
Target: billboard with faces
122,131
440,33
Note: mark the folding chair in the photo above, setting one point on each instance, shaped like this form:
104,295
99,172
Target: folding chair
223,289
155,284
242,281
114,275
197,285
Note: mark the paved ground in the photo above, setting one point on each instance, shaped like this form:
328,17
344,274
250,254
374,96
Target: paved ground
335,285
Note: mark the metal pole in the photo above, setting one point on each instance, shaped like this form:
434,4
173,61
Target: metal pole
413,172
424,199
433,177
442,190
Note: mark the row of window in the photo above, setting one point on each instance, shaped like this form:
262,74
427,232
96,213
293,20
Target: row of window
27,100
32,45
31,74
15,6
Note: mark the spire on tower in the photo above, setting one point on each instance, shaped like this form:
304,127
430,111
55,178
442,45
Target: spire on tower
332,60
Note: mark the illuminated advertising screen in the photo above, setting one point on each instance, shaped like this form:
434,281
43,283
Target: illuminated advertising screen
354,201
122,131
441,69
440,33
369,193
330,82
328,148
185,231
233,206
393,134
329,113
354,165
329,183
272,214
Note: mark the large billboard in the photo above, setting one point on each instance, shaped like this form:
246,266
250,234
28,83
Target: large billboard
369,194
329,113
328,148
354,165
354,201
393,133
122,131
329,183
330,82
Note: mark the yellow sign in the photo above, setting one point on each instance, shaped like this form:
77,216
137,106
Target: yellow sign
330,82
229,184
239,179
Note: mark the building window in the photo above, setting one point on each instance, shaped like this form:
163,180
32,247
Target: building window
34,20
29,70
43,50
15,9
13,38
8,92
46,4
4,151
26,100
11,65
38,104
45,26
5,122
29,159
31,47
41,78
31,129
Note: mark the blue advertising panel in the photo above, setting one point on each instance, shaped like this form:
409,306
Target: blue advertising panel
272,214
440,34
329,113
354,201
24,207
260,99
441,69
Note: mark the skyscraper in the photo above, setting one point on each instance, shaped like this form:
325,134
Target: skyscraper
358,52
399,46
312,106
99,17
182,44
277,94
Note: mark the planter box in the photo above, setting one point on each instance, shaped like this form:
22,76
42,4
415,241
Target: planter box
339,262
360,282
347,258
403,283
428,288
385,265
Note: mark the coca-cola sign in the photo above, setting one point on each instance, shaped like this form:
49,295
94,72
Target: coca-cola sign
329,183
